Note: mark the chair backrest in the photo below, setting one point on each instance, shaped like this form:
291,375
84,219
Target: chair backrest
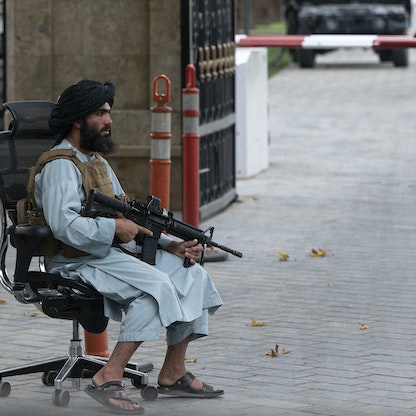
20,146
26,139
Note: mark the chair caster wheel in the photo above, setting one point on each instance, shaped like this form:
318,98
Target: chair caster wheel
149,393
60,398
48,377
5,389
137,382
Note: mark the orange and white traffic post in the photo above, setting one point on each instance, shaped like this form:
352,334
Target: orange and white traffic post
160,148
190,148
96,344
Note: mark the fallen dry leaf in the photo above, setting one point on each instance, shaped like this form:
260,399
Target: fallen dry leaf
273,352
2,302
282,256
362,325
286,351
37,313
255,323
318,253
191,360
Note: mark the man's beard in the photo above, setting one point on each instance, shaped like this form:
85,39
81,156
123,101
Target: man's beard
92,140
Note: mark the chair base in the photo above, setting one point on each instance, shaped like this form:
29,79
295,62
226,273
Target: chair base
77,366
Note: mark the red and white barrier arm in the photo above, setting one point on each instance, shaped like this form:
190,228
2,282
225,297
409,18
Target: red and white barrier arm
327,41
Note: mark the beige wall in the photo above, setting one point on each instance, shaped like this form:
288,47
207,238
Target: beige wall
54,43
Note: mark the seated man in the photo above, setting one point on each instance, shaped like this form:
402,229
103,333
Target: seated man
151,297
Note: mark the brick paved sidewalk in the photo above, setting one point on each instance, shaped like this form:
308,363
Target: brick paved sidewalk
341,178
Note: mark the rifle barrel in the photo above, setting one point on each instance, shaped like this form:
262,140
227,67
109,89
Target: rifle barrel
227,249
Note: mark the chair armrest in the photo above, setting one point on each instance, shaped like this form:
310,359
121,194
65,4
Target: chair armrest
27,239
37,231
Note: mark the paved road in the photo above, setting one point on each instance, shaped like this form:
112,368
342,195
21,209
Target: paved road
342,178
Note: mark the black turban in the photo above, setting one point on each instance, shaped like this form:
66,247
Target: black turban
78,101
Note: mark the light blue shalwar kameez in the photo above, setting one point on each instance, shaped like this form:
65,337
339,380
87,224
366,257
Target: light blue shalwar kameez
166,295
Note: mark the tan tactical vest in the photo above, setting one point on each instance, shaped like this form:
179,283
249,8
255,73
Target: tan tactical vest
94,176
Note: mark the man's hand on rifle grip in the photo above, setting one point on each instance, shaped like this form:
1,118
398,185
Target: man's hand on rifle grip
126,230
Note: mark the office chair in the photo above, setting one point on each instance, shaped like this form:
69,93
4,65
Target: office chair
20,146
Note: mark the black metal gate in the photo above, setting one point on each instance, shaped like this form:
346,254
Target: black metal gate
208,43
2,57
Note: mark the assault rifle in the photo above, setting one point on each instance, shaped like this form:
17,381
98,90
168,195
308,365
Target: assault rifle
151,215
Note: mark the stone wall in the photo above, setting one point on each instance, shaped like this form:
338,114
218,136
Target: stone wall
54,43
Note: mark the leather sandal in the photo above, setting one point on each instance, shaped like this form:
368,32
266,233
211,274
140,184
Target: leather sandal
113,390
182,388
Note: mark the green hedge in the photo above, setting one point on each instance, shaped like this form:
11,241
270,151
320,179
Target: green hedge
278,58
